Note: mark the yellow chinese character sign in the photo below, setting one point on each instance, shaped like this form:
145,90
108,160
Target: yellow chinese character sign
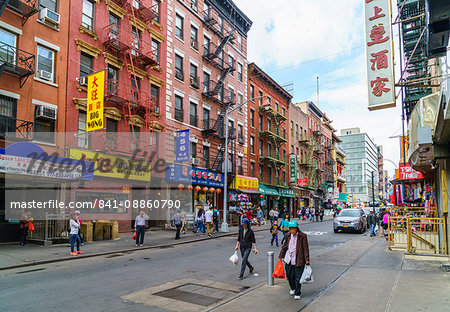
96,86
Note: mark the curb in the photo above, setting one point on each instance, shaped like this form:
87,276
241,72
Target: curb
128,250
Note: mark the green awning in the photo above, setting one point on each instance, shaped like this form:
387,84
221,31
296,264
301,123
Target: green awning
286,192
268,190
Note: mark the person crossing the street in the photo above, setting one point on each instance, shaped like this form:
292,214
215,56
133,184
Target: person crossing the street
246,238
274,231
295,254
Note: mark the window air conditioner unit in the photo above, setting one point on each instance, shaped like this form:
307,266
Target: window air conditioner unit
46,112
195,161
43,74
48,15
83,81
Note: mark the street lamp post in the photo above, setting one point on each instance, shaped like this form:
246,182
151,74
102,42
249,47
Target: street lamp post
224,225
373,194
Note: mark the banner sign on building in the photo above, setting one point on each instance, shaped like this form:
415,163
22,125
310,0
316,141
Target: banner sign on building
190,175
302,182
245,183
379,54
293,164
95,92
182,145
114,167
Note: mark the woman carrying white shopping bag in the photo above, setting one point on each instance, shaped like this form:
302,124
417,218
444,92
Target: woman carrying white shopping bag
295,253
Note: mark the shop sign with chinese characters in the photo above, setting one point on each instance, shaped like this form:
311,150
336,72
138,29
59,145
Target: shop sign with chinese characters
96,85
379,54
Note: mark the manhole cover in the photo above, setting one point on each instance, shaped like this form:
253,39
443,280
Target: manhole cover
196,294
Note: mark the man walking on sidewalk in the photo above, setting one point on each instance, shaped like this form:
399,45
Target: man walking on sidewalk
259,216
274,231
139,225
295,253
209,221
246,238
372,220
216,216
177,220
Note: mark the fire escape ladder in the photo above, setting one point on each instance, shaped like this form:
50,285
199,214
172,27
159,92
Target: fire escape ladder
217,165
222,45
3,6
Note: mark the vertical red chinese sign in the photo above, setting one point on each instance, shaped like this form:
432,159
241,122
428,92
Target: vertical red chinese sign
379,54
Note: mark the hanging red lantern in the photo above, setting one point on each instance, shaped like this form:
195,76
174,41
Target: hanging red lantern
212,190
198,188
218,191
189,187
205,189
261,196
180,186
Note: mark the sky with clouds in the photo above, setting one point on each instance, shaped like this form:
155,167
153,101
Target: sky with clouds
302,39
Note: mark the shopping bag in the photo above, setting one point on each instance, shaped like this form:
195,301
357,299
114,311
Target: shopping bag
30,226
134,236
307,277
279,270
304,217
234,258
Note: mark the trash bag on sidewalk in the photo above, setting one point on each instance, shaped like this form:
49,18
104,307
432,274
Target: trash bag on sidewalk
279,270
234,258
307,277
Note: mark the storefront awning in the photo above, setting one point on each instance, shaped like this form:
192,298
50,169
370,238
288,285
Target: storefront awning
286,192
268,190
245,184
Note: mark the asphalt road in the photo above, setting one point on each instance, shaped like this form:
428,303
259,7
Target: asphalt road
99,284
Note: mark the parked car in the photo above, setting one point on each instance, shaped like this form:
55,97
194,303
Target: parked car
350,220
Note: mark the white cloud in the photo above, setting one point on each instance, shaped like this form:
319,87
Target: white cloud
291,31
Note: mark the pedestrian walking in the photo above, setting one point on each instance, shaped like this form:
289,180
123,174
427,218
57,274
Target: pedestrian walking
372,220
200,222
246,238
317,213
139,225
216,216
209,222
295,253
275,214
24,227
274,231
183,224
259,215
284,228
177,221
321,213
386,223
271,213
74,238
311,214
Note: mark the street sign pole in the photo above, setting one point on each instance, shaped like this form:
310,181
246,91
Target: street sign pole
373,193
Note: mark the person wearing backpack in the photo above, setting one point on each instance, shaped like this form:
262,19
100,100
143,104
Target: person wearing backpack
274,231
216,216
284,227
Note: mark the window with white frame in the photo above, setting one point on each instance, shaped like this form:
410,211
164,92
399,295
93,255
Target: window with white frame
87,17
45,63
179,26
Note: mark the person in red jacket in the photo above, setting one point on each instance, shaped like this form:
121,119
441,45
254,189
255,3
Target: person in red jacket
295,253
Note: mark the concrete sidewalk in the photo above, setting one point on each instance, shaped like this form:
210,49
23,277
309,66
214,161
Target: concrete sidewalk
13,255
360,275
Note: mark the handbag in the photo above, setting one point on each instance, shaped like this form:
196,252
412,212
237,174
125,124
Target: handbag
134,236
279,270
30,226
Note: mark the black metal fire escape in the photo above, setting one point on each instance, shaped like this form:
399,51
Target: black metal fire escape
216,92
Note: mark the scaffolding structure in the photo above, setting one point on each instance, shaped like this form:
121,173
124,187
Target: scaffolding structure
413,24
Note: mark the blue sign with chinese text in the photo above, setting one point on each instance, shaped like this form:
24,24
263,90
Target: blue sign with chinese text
190,175
182,145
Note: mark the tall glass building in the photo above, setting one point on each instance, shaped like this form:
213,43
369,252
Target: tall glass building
361,161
